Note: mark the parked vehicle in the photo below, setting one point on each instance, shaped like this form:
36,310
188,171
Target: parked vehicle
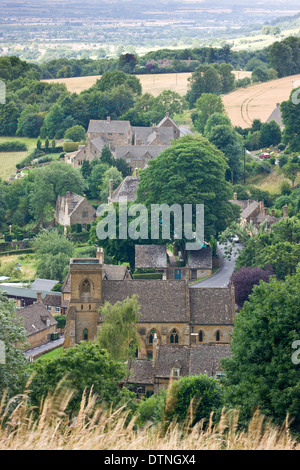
264,155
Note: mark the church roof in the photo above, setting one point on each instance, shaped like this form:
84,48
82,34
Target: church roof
211,306
160,301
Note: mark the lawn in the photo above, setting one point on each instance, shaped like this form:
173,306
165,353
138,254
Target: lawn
28,265
51,354
9,160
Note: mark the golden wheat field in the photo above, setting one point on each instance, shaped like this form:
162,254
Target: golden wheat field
95,429
152,83
258,101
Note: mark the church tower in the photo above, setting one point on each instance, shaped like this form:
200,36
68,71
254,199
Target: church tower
85,299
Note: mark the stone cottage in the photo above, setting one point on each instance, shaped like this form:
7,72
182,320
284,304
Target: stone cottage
73,209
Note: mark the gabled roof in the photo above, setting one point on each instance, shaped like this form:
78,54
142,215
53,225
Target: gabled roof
151,256
276,116
54,300
165,119
170,357
127,190
98,142
249,210
103,126
35,318
205,358
138,152
114,272
200,259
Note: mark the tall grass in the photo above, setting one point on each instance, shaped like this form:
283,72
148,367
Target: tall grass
50,428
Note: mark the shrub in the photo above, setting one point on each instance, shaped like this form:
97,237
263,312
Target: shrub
70,146
14,146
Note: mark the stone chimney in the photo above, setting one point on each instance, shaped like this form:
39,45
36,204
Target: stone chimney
261,207
235,196
108,119
39,297
265,211
273,212
100,255
285,211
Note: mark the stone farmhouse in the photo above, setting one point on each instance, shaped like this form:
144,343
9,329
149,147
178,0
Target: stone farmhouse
179,318
73,209
200,262
255,212
136,145
38,322
170,362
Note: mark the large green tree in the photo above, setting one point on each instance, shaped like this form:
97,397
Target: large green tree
190,171
13,362
264,370
84,368
118,333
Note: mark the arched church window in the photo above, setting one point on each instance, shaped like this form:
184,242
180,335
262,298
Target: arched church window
174,339
86,287
218,335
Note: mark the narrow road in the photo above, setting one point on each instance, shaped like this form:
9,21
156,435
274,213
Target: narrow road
45,347
222,277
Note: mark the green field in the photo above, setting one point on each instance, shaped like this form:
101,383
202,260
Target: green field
9,160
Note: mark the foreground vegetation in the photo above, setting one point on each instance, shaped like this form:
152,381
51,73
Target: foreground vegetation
97,429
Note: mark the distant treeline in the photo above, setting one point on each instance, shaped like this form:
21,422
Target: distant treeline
282,56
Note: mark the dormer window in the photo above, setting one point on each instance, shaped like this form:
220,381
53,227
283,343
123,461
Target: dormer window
176,372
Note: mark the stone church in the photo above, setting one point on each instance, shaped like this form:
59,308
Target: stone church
172,312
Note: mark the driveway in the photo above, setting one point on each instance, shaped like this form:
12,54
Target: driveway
222,277
45,347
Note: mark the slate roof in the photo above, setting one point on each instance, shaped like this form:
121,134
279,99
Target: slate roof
201,359
170,357
142,372
22,292
127,190
211,306
151,256
276,116
160,301
43,284
261,218
114,272
138,152
200,259
35,318
108,126
98,142
55,300
205,358
251,207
